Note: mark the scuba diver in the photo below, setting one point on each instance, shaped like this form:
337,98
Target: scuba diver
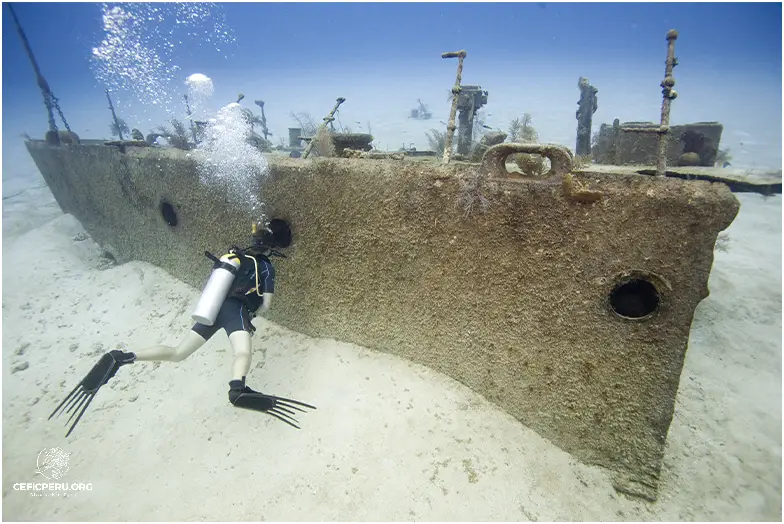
241,285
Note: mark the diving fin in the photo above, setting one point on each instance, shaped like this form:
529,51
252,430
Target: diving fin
84,392
241,396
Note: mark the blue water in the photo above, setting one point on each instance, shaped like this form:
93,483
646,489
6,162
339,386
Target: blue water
383,57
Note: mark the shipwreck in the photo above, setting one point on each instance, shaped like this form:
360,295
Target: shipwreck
566,300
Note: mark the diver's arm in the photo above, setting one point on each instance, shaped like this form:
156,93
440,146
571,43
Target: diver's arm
267,286
265,305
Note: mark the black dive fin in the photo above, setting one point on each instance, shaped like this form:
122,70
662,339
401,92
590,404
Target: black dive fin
84,392
279,407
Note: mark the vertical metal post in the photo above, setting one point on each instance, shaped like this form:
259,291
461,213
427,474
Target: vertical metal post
327,119
668,95
42,84
264,129
188,110
450,128
114,115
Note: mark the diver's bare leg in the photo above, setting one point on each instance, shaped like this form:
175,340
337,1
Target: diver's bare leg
242,345
242,396
84,392
189,344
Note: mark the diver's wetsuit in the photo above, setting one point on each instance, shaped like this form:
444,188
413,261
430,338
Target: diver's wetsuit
242,301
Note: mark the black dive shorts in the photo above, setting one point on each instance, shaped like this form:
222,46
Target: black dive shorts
233,316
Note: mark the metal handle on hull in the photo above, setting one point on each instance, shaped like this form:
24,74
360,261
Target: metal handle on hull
494,159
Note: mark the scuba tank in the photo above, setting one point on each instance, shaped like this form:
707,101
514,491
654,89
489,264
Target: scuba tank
225,269
217,288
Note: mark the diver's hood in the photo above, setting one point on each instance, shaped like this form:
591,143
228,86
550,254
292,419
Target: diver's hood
276,235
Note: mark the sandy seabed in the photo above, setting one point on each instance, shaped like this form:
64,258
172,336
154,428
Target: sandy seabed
390,441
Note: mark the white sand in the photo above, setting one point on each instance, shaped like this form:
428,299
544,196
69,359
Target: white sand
390,440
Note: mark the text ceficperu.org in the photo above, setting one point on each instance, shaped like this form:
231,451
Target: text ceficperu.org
52,486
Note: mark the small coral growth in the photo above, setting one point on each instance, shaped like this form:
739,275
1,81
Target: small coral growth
471,197
521,130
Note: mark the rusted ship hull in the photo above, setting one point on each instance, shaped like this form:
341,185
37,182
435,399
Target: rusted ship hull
519,301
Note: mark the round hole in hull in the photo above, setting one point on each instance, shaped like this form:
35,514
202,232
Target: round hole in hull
169,214
281,231
634,298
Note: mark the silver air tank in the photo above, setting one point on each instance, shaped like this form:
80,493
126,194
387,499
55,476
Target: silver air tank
216,290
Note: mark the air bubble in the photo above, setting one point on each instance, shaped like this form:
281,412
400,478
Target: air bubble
138,64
